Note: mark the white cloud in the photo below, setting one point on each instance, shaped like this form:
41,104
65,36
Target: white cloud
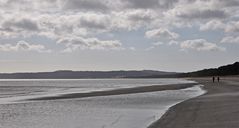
132,19
212,25
154,45
230,39
141,15
172,42
56,19
77,24
196,10
200,45
23,46
161,33
95,21
228,27
83,17
232,26
76,43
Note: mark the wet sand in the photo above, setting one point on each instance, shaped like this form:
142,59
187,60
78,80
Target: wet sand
133,109
218,108
143,89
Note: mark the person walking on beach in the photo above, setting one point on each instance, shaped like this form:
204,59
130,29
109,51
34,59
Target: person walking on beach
218,79
213,79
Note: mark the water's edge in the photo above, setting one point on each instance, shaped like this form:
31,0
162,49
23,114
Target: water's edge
126,106
203,91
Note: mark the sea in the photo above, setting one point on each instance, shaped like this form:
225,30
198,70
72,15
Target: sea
137,110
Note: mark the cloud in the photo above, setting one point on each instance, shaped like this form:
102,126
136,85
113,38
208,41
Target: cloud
212,25
230,39
132,20
232,26
228,27
193,11
172,42
85,5
141,15
154,45
79,24
141,3
200,45
161,33
226,3
157,44
87,19
202,14
82,17
77,43
23,46
23,24
90,23
95,21
146,4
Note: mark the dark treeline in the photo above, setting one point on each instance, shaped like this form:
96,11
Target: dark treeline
231,69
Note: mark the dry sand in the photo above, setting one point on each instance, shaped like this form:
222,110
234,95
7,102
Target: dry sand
218,108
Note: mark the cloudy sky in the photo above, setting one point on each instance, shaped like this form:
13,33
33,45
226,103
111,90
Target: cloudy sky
168,35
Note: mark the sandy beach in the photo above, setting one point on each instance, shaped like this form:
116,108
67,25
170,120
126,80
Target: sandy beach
218,108
118,103
143,89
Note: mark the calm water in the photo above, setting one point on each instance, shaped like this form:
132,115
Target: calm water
122,111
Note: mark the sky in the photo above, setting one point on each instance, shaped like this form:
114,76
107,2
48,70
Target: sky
103,35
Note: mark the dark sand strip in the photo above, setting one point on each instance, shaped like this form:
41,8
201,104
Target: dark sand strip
142,89
218,108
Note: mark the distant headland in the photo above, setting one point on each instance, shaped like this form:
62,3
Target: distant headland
231,69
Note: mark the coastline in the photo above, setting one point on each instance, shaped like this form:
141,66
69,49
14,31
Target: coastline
138,109
217,108
133,90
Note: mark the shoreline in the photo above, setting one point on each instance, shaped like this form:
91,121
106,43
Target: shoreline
134,90
217,108
122,111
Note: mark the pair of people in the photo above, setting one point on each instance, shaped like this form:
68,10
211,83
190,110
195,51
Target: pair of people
213,79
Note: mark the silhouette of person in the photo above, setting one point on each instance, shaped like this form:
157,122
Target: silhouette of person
218,79
213,79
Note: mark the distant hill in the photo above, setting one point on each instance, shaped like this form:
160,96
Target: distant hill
67,74
231,69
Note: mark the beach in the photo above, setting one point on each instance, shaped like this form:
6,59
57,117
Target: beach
179,104
121,91
104,103
218,108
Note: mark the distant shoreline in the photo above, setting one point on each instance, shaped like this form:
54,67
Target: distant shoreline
231,69
218,108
